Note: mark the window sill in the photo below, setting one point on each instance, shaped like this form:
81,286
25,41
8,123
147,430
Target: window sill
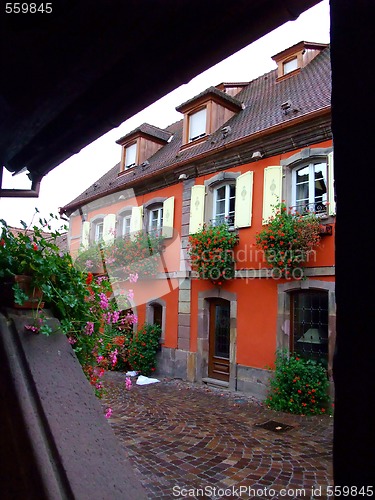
194,143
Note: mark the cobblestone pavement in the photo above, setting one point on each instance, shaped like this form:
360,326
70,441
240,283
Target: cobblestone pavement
189,441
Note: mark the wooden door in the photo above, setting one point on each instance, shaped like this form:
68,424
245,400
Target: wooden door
219,340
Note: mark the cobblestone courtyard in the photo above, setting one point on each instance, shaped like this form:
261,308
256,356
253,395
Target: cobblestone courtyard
189,441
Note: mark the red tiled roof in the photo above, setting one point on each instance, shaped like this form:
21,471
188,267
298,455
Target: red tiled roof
308,91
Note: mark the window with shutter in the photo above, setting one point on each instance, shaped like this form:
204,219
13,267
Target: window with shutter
309,188
196,208
224,202
85,239
244,200
168,216
155,220
109,224
136,221
97,227
272,189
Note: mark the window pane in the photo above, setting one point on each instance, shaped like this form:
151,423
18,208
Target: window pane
130,155
290,66
320,194
310,325
155,219
197,125
222,331
220,208
126,225
98,231
224,205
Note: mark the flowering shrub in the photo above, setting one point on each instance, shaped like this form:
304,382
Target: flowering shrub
143,349
35,253
101,343
211,252
113,351
298,386
92,322
288,240
139,255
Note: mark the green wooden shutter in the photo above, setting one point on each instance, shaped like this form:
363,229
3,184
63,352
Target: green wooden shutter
272,190
168,216
244,200
85,238
331,186
109,224
136,221
196,208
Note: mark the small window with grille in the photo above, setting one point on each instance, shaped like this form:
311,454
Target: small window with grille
309,325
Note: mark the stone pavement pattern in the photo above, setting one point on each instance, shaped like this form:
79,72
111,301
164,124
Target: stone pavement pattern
180,435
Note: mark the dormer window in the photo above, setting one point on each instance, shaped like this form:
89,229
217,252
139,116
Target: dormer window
289,66
205,114
197,124
130,156
140,144
290,61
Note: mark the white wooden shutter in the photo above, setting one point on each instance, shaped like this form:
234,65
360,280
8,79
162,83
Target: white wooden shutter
244,200
331,186
109,224
196,208
272,187
85,238
136,221
168,216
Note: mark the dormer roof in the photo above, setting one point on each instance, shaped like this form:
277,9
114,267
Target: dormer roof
211,93
154,133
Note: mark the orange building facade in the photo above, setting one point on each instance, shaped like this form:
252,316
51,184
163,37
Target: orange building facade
239,149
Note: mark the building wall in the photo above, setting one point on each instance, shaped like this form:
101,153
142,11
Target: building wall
254,294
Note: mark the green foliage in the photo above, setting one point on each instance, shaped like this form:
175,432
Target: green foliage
143,349
211,252
33,252
298,386
288,240
138,255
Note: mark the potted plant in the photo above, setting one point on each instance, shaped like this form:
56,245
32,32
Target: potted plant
288,240
211,252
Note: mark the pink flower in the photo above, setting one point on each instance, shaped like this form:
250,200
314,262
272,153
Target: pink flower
113,357
89,264
72,340
103,300
32,328
133,278
128,383
99,358
130,294
109,413
89,328
115,316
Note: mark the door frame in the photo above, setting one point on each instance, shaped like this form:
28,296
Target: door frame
203,333
212,342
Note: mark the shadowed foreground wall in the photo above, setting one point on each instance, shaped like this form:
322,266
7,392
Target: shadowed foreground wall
55,442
